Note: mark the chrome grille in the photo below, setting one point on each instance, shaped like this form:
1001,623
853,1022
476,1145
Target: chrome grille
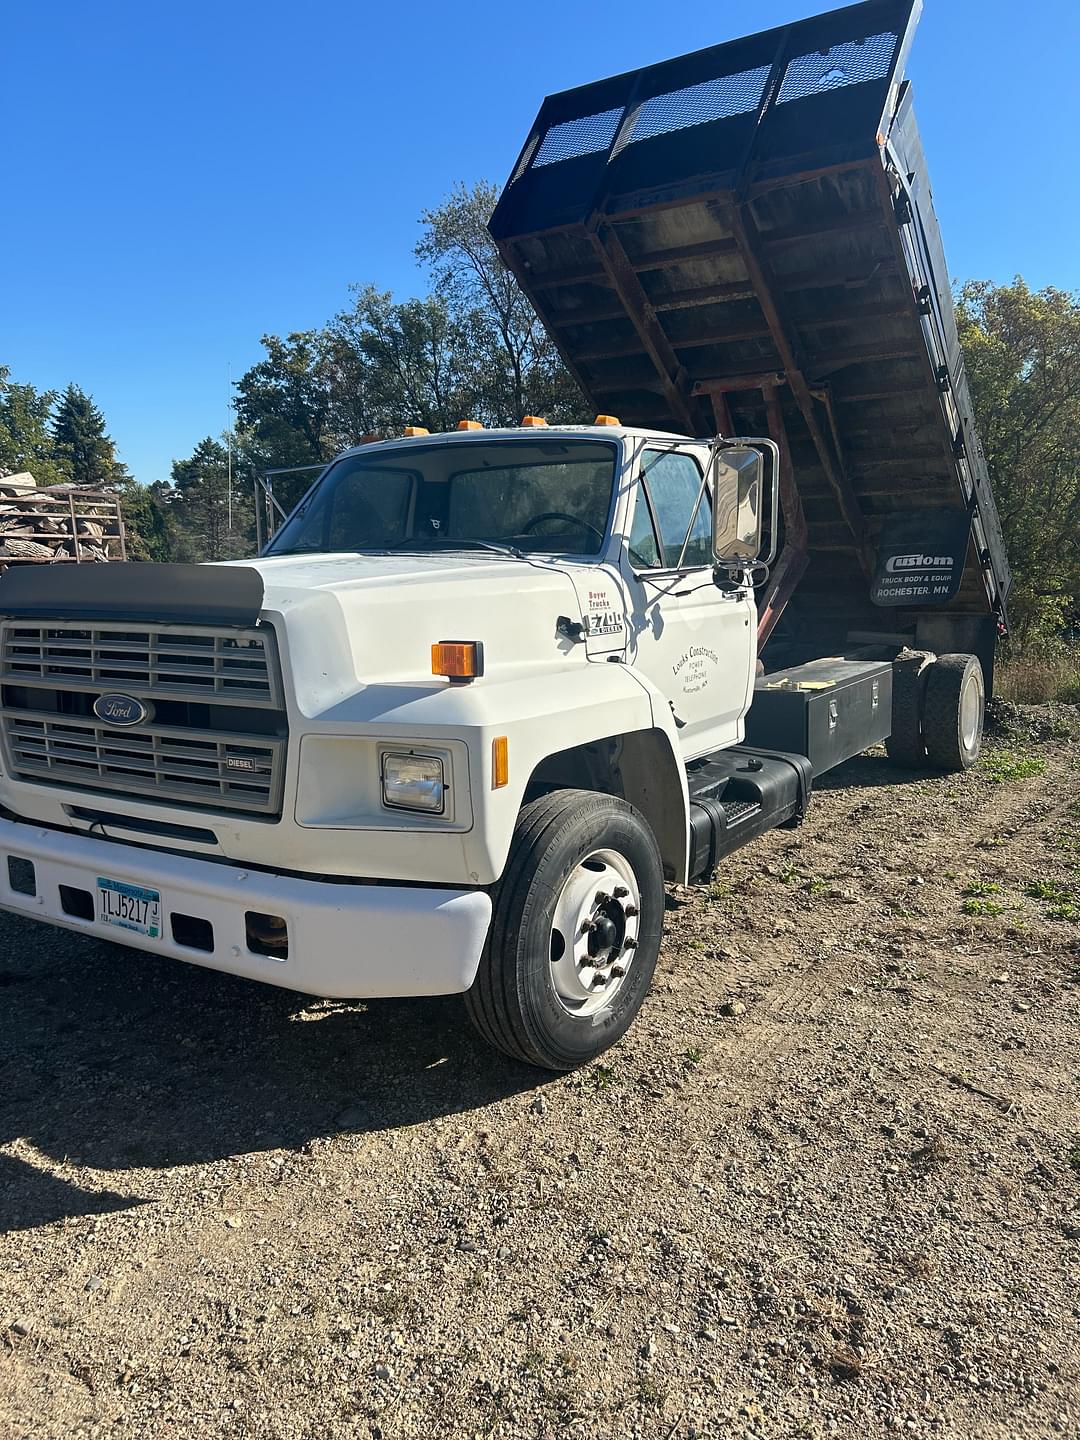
167,764
217,734
182,663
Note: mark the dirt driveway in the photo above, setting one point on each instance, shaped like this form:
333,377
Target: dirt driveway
829,1185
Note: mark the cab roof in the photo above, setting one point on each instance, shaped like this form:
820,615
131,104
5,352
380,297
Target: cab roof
517,432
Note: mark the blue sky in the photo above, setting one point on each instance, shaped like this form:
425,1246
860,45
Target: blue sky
181,179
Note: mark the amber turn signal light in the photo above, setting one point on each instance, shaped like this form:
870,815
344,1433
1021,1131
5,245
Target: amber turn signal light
500,762
457,659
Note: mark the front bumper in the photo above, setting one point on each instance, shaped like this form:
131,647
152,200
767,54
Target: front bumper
346,940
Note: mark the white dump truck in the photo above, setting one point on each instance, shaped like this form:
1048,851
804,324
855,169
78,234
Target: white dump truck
486,691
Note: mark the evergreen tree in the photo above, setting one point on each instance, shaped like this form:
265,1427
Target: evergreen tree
81,444
25,441
199,508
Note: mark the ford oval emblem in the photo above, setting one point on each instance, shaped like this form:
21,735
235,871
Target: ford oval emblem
122,710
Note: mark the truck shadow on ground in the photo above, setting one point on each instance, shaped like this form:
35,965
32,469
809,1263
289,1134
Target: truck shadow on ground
117,1061
871,771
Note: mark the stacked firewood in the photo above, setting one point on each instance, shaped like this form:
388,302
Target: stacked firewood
57,523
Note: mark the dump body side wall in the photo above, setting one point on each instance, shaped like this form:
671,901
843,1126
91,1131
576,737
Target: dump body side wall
744,240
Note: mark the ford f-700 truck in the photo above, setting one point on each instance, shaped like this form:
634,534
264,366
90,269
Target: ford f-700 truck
486,691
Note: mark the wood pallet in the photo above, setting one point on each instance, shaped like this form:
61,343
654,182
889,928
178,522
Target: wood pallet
62,524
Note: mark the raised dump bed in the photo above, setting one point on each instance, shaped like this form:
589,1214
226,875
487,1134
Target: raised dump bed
743,240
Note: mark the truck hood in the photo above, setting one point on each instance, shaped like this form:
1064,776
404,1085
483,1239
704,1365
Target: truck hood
350,621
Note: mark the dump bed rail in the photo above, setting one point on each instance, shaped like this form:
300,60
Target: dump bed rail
743,239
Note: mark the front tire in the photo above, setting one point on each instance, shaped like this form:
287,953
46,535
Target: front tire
575,931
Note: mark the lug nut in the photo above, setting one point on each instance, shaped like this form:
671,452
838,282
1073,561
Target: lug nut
631,912
618,971
629,943
621,892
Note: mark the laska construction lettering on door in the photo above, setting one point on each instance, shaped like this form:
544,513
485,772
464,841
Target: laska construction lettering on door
693,668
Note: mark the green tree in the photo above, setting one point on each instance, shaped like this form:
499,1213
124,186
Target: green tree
415,362
302,403
26,442
79,439
518,370
201,522
1022,353
145,509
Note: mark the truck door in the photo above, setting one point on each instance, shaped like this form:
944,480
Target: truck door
695,642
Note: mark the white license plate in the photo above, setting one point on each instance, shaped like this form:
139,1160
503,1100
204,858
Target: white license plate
129,907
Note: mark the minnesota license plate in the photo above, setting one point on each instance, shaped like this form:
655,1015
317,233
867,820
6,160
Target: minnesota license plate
129,907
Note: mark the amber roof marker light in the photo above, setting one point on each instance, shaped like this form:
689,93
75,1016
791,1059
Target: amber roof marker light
531,422
411,430
469,425
607,420
458,660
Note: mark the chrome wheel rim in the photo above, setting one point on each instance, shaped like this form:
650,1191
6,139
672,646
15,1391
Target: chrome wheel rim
594,932
970,713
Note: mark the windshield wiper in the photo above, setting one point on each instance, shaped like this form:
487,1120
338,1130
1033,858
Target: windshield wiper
448,542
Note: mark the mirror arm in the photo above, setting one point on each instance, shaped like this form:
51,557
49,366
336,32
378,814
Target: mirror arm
693,518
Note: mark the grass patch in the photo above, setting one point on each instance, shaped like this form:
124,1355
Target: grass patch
983,887
1060,900
1004,767
649,1392
974,905
1048,890
1038,679
602,1077
1073,1158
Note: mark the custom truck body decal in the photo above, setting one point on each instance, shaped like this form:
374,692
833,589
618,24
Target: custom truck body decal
921,558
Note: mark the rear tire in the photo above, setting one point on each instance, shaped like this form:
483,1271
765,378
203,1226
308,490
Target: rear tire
575,931
905,746
954,712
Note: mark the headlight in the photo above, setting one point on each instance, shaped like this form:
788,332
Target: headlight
413,782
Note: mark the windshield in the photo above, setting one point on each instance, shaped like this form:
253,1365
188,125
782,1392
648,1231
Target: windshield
542,497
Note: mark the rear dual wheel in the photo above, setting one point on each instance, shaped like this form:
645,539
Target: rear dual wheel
954,712
939,710
575,931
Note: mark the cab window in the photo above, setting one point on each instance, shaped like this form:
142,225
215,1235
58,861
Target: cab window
644,551
671,482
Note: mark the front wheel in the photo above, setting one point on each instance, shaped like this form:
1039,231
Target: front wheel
575,931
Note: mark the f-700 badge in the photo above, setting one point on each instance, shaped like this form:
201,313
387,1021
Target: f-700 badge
603,622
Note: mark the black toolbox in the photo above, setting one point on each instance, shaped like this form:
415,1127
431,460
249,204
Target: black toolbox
828,710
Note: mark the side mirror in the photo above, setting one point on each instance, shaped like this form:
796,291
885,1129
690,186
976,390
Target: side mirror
738,509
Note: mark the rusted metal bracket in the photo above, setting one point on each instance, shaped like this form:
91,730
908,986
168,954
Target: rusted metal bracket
795,556
624,281
752,250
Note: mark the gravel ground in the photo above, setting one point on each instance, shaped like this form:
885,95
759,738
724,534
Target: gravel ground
829,1185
